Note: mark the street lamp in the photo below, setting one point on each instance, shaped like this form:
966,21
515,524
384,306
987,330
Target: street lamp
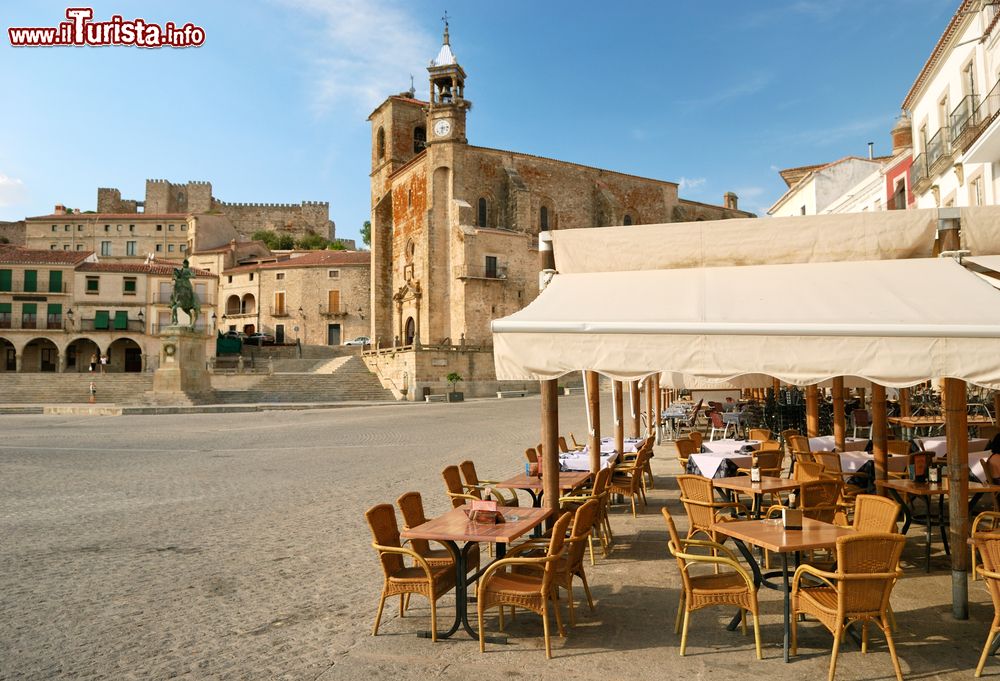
69,317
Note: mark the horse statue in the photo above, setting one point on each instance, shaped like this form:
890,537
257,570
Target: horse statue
183,296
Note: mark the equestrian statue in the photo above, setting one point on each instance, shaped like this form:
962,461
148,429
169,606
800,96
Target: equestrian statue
183,296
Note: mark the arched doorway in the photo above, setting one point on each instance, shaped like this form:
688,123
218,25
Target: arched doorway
124,355
8,356
40,354
249,304
409,331
80,353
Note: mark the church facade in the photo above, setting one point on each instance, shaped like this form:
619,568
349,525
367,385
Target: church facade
454,226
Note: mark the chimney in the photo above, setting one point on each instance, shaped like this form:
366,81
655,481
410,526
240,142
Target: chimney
871,151
59,210
730,200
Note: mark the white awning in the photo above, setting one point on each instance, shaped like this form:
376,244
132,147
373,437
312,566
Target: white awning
894,322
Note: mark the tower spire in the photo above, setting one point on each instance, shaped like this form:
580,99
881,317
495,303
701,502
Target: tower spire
447,38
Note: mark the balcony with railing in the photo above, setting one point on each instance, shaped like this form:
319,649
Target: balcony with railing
935,159
279,311
328,310
109,325
481,272
40,287
975,134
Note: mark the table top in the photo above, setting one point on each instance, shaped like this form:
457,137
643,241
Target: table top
767,484
769,534
926,489
456,526
921,421
567,480
728,447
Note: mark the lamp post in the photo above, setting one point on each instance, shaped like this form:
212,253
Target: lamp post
142,320
69,318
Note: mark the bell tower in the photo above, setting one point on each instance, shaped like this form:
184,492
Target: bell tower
446,114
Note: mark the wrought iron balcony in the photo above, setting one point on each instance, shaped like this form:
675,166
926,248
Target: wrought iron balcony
970,127
333,311
481,272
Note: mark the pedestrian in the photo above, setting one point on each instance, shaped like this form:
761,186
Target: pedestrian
93,362
104,363
93,393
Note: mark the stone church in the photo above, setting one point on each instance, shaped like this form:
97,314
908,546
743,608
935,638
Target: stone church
454,228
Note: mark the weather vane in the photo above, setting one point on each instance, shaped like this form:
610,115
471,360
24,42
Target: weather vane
445,19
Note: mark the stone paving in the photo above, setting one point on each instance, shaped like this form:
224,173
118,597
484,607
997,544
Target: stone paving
233,546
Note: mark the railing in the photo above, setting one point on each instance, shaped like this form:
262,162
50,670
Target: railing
918,170
41,287
132,325
979,119
938,149
240,313
962,117
481,272
334,311
279,311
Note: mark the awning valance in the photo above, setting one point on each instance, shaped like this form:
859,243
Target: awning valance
894,322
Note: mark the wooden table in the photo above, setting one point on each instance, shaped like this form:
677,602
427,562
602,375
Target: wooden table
771,536
568,480
453,527
927,491
767,485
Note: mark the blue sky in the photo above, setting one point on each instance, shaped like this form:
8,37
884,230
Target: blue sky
714,95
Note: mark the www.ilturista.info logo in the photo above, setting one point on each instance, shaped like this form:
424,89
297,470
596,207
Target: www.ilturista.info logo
81,31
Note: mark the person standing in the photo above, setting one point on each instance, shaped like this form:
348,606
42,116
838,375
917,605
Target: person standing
93,362
104,363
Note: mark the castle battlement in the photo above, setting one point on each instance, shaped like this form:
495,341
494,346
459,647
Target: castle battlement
239,204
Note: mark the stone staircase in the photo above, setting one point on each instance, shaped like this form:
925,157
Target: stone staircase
350,380
73,388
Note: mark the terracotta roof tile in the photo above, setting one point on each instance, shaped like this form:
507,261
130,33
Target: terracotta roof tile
37,256
157,268
318,258
77,217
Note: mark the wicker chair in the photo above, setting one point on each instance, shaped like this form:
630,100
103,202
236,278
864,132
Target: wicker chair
691,424
762,434
455,489
867,569
499,586
422,579
985,522
576,445
720,588
873,513
570,564
697,437
563,447
988,545
701,506
898,447
818,499
833,469
798,443
627,480
531,455
647,470
476,486
602,524
685,448
809,471
860,418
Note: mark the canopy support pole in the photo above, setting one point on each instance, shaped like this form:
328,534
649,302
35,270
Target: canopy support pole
812,410
880,434
996,407
617,395
957,432
650,418
657,409
594,416
633,403
550,446
839,420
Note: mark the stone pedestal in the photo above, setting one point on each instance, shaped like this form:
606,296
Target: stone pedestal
183,373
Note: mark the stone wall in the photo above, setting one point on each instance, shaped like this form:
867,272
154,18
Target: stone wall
300,219
13,232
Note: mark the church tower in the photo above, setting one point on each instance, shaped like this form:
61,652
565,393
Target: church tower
446,114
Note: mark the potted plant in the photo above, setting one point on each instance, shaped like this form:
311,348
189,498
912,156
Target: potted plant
453,395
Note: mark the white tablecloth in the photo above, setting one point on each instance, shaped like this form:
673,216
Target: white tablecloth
728,446
580,461
852,461
709,464
939,445
608,445
976,461
826,443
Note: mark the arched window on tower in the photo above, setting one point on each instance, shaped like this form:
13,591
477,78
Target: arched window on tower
543,219
380,143
419,139
627,220
481,212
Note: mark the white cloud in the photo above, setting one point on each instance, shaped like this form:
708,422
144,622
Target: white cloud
686,183
12,191
743,88
363,51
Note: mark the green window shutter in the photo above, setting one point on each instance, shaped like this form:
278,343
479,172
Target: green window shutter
5,307
55,308
121,320
55,281
5,280
29,308
101,320
30,281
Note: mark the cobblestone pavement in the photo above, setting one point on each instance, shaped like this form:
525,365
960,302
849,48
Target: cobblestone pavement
234,546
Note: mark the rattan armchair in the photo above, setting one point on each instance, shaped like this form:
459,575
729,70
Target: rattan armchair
531,455
874,513
577,445
685,448
988,545
475,485
859,590
455,489
411,505
602,524
702,509
421,578
499,586
647,469
697,437
985,522
808,471
627,480
720,588
762,434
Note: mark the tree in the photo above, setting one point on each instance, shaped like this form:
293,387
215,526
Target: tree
366,233
312,242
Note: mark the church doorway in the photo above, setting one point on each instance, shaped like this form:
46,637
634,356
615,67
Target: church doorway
410,331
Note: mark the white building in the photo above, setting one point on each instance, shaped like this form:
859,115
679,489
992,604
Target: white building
953,106
813,189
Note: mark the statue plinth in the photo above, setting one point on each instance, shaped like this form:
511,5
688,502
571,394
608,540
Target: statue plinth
182,371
